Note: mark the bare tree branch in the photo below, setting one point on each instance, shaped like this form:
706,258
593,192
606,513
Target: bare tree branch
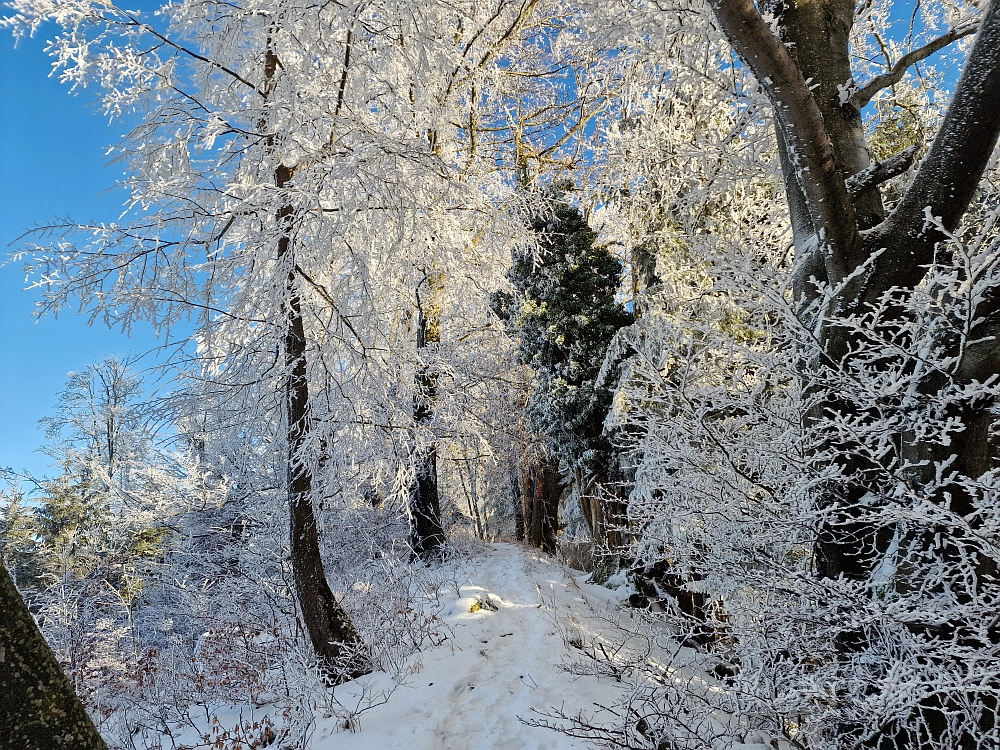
879,172
867,92
181,48
332,303
949,175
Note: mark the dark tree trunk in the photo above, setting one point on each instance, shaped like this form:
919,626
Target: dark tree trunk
653,581
38,708
519,498
828,136
835,232
426,532
940,545
541,504
333,636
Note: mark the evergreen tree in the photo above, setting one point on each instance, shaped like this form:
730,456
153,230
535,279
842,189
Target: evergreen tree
73,526
89,541
566,322
566,314
18,536
92,519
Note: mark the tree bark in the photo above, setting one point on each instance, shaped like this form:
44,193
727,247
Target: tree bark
38,708
948,176
541,497
335,640
817,131
426,531
817,36
821,145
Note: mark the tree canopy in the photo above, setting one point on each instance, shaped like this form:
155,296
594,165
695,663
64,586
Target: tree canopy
723,273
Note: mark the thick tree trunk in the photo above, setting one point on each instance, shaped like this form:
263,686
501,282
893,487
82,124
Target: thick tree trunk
835,233
817,36
944,547
590,508
541,504
426,531
606,513
38,708
333,636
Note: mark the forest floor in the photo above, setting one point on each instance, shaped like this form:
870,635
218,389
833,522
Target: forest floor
496,669
513,642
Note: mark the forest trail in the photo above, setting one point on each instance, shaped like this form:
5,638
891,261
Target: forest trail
497,668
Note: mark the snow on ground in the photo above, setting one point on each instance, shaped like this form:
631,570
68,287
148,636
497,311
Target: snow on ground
496,668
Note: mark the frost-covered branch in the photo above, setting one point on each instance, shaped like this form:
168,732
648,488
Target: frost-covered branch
949,175
881,172
866,93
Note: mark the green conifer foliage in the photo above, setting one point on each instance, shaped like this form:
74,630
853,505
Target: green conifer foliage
73,526
566,316
18,536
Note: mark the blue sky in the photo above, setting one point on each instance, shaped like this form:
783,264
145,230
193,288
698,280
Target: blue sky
52,149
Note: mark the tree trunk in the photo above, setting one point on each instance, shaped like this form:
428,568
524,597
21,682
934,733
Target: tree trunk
834,234
472,497
817,35
605,512
518,492
938,545
333,636
426,532
590,507
541,504
38,708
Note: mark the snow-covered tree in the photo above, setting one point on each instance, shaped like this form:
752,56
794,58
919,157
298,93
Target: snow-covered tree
565,314
333,194
814,416
298,179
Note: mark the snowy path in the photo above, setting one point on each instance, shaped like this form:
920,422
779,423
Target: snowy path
499,666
